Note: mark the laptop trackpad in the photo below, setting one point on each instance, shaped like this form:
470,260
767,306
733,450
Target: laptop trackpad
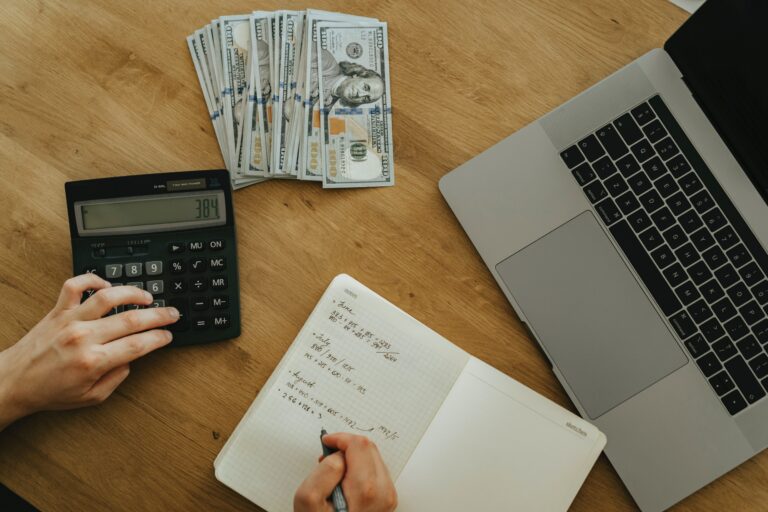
591,315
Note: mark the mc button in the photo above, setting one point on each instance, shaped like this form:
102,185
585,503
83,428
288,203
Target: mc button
217,263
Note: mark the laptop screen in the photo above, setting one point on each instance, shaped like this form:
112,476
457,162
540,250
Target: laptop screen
722,51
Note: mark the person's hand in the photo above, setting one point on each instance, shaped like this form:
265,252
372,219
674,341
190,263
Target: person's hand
73,357
358,466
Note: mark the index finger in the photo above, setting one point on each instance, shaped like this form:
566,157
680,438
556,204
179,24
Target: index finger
74,287
128,349
344,442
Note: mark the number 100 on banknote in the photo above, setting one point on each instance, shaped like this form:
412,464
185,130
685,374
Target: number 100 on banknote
356,109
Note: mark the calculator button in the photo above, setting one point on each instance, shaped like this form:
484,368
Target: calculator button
219,283
198,285
132,269
217,263
176,247
221,321
154,268
114,270
155,287
201,323
182,324
216,245
137,284
200,303
197,265
129,307
91,270
196,246
177,267
157,303
178,286
115,310
220,302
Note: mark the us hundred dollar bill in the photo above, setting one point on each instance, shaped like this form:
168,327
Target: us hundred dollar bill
256,131
355,102
235,40
290,37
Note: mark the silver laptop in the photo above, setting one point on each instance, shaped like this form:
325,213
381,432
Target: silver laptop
628,229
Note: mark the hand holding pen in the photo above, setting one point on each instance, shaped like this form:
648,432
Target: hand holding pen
358,468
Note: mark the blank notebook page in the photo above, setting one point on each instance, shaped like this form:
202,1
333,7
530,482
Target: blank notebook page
358,365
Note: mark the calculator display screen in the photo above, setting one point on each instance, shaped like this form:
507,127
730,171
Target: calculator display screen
162,212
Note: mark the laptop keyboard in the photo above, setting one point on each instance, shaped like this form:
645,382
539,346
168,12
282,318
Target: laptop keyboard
687,242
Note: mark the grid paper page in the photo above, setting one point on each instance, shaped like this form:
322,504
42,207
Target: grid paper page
359,365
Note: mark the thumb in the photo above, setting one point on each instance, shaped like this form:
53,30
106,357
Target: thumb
319,485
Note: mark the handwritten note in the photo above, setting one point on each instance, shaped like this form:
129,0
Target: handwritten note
359,365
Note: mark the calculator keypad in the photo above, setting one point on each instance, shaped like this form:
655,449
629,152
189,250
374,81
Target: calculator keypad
197,274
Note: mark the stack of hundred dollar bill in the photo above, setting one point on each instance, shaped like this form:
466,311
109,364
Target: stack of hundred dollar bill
298,95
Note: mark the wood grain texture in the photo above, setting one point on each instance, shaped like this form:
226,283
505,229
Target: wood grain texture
103,88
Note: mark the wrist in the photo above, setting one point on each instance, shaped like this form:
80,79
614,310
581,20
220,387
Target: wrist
10,407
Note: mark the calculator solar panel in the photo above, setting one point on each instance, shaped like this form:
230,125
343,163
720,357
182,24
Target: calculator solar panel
172,234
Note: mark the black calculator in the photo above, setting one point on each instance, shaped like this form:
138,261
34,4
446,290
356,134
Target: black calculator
172,234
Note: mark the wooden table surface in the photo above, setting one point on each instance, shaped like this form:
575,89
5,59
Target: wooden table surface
104,88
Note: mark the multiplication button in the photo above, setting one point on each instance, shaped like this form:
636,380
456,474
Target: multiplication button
178,286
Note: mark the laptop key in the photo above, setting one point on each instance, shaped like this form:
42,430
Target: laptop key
572,157
711,291
612,141
714,219
744,379
663,256
608,211
699,311
760,330
666,148
726,237
702,201
709,364
734,402
749,348
690,183
739,294
628,129
759,365
652,201
696,346
642,150
683,324
687,254
595,191
641,262
639,183
651,239
591,148
654,131
690,221
760,291
616,185
714,257
627,203
721,383
724,349
628,165
654,168
675,275
702,239
687,293
750,273
699,273
712,330
639,221
726,275
583,174
643,114
738,255
666,185
663,218
724,309
678,166
675,237
751,312
604,167
678,203
736,328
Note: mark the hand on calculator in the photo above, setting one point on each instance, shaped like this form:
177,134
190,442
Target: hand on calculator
76,356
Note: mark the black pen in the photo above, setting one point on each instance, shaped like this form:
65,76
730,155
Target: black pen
337,496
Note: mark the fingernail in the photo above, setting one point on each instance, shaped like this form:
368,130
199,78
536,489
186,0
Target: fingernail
173,312
148,296
169,335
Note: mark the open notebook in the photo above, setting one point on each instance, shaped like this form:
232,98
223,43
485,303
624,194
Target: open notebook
455,433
